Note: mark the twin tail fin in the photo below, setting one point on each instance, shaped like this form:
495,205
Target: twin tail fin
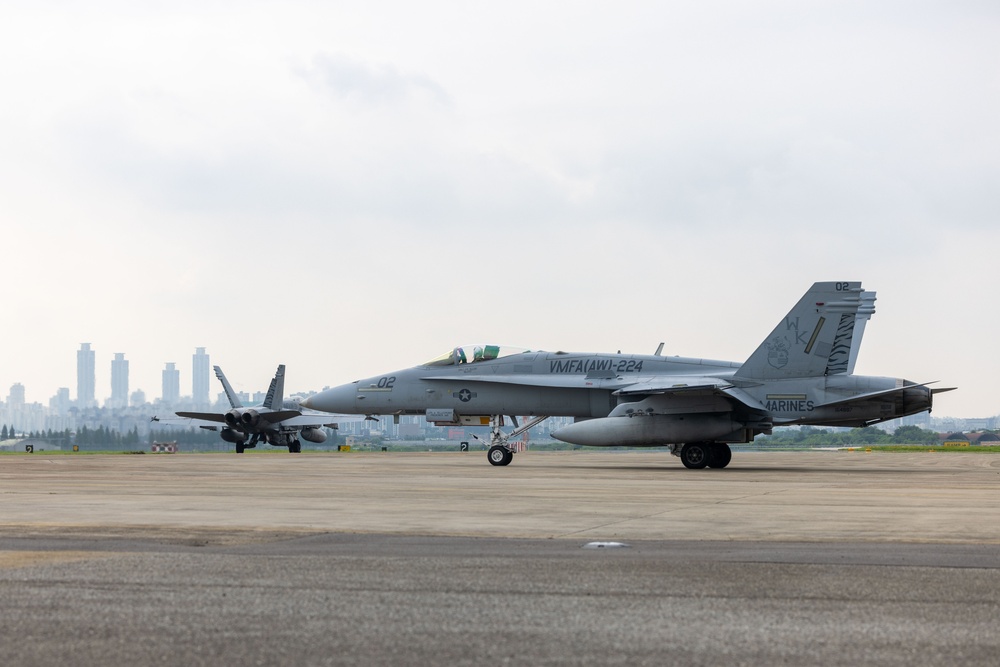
819,336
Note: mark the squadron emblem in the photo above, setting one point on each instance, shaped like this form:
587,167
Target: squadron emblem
777,352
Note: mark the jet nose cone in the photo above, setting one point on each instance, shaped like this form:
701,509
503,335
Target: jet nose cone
338,399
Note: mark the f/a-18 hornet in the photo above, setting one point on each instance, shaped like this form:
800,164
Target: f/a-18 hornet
802,373
273,422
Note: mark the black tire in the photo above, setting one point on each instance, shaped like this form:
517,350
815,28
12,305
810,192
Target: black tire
239,448
295,447
695,455
499,456
720,455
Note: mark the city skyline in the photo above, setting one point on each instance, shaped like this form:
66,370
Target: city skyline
187,384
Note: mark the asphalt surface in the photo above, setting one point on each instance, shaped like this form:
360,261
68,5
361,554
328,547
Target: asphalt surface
136,560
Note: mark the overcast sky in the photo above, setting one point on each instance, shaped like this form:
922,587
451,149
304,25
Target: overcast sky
354,187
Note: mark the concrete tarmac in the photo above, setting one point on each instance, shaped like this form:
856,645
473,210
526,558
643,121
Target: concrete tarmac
782,558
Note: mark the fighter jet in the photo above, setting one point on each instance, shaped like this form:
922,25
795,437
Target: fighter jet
273,422
802,373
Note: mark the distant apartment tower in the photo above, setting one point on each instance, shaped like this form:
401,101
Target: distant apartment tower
138,397
171,384
60,403
119,381
16,396
85,378
199,377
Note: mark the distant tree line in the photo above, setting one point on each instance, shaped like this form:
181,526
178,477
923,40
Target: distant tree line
106,437
809,436
49,435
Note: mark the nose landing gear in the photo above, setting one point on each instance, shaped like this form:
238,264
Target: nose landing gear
500,452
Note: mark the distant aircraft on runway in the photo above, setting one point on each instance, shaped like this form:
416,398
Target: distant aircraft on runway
272,421
802,373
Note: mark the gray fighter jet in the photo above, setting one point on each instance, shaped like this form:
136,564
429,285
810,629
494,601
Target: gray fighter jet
802,373
273,421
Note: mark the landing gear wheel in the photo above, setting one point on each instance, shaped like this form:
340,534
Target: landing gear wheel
295,447
695,455
499,456
721,455
240,447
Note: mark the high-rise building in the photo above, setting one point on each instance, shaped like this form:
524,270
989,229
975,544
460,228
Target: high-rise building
119,381
60,403
171,384
85,379
16,396
199,377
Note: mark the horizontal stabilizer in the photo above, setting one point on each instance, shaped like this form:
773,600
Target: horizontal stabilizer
885,393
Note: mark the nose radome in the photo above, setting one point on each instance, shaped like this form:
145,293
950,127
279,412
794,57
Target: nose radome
337,399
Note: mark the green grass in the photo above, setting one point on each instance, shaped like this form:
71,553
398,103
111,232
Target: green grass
972,449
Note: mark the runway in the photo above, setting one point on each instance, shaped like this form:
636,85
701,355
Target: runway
783,558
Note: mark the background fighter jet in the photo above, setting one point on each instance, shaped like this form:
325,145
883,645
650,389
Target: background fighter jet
272,421
800,374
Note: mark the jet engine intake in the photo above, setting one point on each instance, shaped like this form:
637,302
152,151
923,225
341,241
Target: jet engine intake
648,430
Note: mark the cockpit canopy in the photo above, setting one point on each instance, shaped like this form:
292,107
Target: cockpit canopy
470,354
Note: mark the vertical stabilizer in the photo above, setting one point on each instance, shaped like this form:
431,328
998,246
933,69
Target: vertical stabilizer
813,340
234,400
275,399
865,313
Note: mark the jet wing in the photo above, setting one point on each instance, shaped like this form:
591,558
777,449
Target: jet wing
659,384
272,417
674,385
187,422
328,420
203,416
562,381
624,386
698,385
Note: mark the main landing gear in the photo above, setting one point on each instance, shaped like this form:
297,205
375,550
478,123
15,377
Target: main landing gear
500,452
243,446
706,454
